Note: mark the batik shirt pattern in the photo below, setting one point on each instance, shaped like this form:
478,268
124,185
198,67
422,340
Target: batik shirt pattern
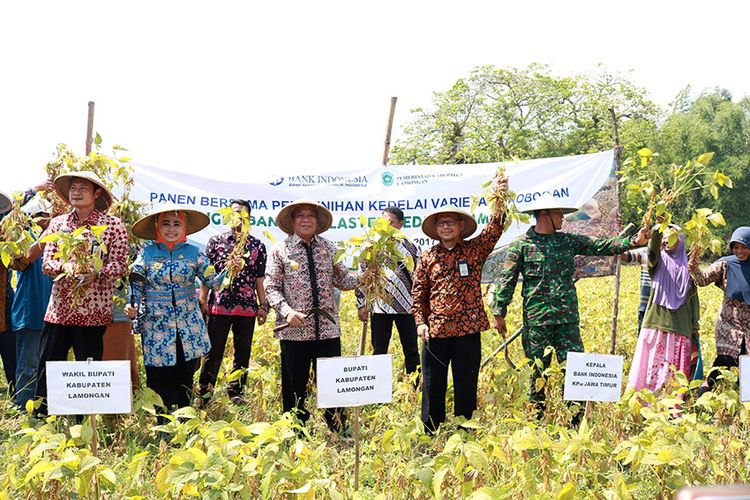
239,298
94,307
733,318
290,285
447,289
169,308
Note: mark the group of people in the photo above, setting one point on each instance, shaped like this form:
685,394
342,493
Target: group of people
441,302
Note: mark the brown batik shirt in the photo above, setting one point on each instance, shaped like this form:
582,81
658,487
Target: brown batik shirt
446,299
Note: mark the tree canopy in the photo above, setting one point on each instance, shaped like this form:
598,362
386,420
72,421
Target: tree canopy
498,114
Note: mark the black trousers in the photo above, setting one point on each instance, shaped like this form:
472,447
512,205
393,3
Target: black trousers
297,358
173,383
381,326
55,343
218,331
463,354
721,361
8,354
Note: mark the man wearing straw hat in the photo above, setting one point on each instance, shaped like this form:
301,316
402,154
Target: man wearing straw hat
545,256
234,307
300,278
82,325
448,307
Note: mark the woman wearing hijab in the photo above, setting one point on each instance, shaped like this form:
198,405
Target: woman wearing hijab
671,321
168,315
732,274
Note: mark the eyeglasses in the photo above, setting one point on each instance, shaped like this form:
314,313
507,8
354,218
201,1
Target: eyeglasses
446,222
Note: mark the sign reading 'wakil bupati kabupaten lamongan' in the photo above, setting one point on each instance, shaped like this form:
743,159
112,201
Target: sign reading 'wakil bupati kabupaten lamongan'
88,387
593,377
354,381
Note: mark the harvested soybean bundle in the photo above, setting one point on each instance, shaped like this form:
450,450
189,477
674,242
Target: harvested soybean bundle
235,261
80,252
16,236
499,203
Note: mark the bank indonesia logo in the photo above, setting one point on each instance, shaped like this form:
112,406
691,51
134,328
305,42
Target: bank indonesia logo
276,180
387,178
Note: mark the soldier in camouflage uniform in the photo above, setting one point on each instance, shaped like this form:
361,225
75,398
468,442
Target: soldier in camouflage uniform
545,257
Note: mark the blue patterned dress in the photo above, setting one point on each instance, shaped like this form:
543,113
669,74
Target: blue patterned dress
170,308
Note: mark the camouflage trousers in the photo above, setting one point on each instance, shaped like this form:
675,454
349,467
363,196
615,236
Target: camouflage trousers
563,338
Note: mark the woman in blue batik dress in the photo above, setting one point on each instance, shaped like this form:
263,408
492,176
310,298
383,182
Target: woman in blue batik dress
168,315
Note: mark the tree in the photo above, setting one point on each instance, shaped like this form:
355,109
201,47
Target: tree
711,122
497,114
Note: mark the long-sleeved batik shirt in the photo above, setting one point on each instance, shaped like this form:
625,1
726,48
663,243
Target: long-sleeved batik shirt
447,289
733,318
238,299
546,262
94,308
300,277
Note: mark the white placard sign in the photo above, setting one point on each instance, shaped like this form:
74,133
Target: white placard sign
593,377
745,378
354,381
88,387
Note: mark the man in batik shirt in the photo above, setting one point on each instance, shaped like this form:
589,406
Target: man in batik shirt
448,307
82,325
300,279
236,306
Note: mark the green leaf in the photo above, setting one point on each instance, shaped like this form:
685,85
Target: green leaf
705,158
717,219
716,246
476,456
108,475
568,492
98,139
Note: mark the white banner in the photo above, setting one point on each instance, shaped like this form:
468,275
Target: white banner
593,377
354,381
583,181
88,387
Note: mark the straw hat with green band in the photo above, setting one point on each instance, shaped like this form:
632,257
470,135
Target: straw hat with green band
146,227
63,181
285,217
429,225
548,202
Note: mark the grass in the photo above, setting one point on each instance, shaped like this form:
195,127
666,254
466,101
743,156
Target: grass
634,448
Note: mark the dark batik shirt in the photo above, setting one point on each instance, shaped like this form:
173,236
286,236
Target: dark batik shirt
447,300
239,298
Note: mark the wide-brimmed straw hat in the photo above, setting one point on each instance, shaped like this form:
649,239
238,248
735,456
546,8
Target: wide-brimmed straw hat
429,226
286,224
63,181
6,202
548,202
194,219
